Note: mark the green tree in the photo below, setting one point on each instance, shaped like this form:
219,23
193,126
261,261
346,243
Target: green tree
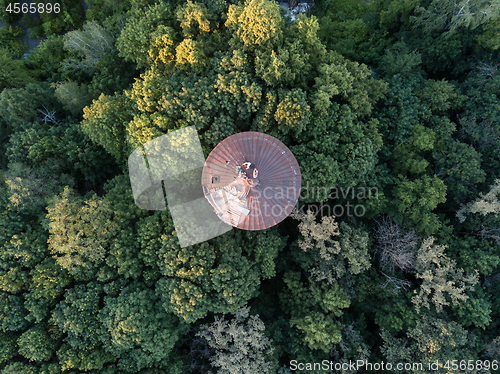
19,367
45,61
256,23
475,310
24,243
30,189
218,276
137,330
13,74
190,56
413,157
138,33
221,286
105,123
459,166
47,283
92,360
9,39
113,74
415,200
286,66
292,112
107,11
314,310
400,111
238,92
430,340
394,311
12,313
8,17
337,150
20,107
221,128
398,59
8,347
482,134
54,24
124,258
36,344
76,315
55,156
81,231
441,96
164,50
397,13
194,18
344,26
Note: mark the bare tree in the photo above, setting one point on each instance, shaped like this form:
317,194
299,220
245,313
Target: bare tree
199,352
493,349
450,15
484,134
491,279
395,246
350,348
49,116
487,71
90,44
72,95
494,234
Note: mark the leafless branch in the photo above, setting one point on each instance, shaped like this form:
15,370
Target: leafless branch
396,282
486,233
49,116
487,70
397,248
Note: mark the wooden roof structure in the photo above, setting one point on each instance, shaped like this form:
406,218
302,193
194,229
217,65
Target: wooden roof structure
252,180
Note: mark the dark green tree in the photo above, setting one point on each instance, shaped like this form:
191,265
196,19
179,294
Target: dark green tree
137,330
36,344
13,73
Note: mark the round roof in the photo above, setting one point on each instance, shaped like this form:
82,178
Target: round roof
252,180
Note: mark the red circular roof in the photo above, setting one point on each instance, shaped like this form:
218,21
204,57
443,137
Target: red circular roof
244,198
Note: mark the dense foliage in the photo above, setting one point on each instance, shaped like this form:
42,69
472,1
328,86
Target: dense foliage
392,109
